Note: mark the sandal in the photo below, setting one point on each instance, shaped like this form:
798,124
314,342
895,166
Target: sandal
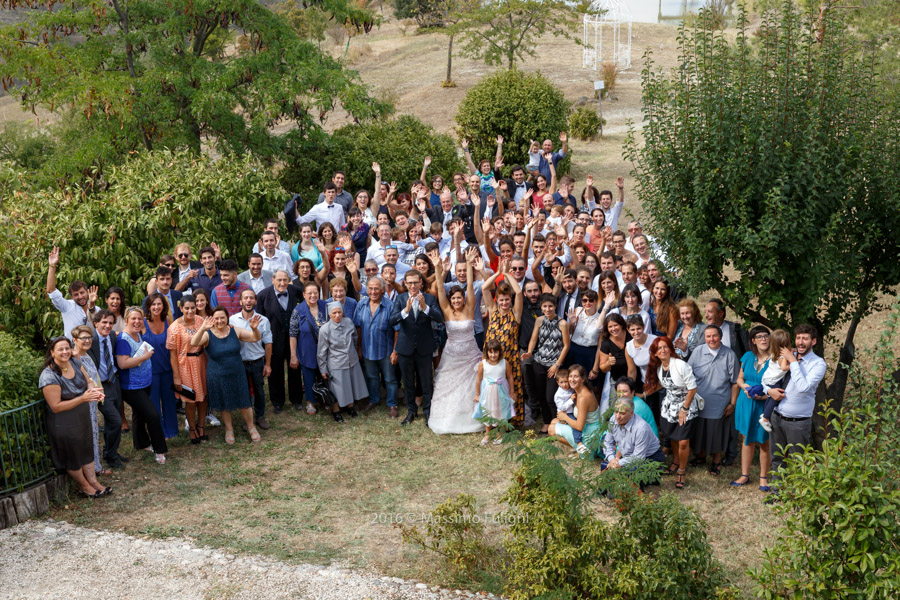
254,435
229,437
737,483
160,459
201,433
104,472
84,494
679,479
698,461
673,468
195,436
767,487
714,468
486,440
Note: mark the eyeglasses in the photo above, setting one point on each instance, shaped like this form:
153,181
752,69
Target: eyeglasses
184,255
391,247
170,265
517,268
587,301
371,269
338,249
84,338
761,336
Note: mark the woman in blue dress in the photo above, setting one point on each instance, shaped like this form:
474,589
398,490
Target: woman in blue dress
747,411
226,380
307,318
162,394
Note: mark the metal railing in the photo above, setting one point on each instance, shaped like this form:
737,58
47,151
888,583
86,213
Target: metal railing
24,447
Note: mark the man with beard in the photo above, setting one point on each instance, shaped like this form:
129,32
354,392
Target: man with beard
78,310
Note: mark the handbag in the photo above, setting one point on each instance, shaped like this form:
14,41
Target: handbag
320,388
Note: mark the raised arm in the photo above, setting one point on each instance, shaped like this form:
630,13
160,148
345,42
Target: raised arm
470,281
443,301
553,179
498,157
425,165
564,140
53,262
375,204
465,146
486,288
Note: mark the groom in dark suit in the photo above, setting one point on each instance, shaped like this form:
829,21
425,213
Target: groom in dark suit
414,311
276,303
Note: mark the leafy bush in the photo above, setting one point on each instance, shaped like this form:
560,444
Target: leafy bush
585,123
117,236
556,548
519,106
398,145
610,74
841,504
19,370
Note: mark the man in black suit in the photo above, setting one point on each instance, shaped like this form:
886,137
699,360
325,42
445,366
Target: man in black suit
277,303
414,311
516,186
447,211
102,352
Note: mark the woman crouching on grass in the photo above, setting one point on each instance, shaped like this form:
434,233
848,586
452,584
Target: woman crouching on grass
587,414
339,361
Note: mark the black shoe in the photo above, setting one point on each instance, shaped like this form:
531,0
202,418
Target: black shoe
122,458
409,419
115,464
299,407
698,461
337,417
729,460
278,410
352,412
426,422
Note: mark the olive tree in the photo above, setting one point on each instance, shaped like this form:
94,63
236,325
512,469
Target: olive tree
770,171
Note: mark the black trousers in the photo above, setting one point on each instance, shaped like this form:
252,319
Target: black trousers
254,370
112,420
530,386
276,380
545,388
146,428
417,365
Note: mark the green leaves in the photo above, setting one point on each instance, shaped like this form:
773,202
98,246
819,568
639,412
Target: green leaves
116,236
772,159
519,106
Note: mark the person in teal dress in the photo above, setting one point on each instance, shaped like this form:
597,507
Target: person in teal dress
587,417
226,380
625,389
747,410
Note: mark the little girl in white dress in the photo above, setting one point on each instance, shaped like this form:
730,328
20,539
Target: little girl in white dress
493,396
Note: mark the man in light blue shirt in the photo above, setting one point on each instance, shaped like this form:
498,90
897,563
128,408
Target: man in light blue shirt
547,146
257,356
792,419
629,438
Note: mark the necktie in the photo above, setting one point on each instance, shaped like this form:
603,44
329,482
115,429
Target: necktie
415,309
110,367
568,305
282,294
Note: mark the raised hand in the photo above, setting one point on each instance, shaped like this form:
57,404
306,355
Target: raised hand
393,187
499,140
620,182
92,294
502,184
548,156
491,201
464,143
254,322
376,167
478,261
352,267
54,257
528,193
216,249
471,253
563,138
207,324
589,182
427,161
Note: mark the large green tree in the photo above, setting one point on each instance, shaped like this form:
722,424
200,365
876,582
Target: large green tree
770,171
146,74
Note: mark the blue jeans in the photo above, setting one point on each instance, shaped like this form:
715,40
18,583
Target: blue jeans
254,370
309,379
383,367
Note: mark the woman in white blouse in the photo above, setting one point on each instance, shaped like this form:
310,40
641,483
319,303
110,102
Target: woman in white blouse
681,404
638,348
585,325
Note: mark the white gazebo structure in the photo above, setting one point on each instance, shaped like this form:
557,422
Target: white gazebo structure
612,16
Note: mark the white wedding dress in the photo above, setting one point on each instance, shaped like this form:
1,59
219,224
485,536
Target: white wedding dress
452,403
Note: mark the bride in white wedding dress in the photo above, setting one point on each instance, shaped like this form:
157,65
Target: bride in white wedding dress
455,378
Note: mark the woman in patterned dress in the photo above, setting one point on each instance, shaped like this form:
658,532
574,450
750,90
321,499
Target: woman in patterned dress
549,344
189,367
505,315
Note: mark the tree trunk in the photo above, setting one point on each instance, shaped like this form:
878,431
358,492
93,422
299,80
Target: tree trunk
449,79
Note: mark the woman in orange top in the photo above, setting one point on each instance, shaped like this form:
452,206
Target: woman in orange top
189,367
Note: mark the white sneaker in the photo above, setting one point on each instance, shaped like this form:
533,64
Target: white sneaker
212,421
765,424
186,426
582,449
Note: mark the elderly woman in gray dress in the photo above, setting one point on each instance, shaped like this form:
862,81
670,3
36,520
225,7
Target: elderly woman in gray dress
339,361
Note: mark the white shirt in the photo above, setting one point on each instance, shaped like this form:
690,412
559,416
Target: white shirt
640,356
253,350
257,284
402,270
612,215
586,332
281,260
72,314
325,213
282,245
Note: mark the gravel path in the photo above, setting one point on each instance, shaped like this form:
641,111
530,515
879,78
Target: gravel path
49,560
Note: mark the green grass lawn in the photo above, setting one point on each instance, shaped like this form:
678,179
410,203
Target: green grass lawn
315,491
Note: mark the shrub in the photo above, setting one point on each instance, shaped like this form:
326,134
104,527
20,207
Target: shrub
398,145
19,370
520,107
117,235
585,123
841,503
610,73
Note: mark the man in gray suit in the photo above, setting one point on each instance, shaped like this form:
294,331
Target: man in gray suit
255,276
